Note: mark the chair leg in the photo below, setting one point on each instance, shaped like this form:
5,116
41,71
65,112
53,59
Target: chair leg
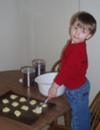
67,120
56,126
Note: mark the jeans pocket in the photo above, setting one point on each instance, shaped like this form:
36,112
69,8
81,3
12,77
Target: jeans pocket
72,96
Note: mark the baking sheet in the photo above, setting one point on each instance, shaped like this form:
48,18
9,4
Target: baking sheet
27,116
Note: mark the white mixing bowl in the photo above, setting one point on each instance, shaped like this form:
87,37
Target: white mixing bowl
44,82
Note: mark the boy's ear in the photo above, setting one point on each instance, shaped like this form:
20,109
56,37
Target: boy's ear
89,36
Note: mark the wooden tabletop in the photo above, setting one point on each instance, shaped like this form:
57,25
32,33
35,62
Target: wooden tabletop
9,80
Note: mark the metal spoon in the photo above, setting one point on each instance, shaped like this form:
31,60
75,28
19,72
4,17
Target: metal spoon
45,101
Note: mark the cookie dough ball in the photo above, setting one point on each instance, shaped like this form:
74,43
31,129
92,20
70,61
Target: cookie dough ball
6,109
33,102
44,105
17,113
15,104
25,108
13,96
37,110
5,101
22,99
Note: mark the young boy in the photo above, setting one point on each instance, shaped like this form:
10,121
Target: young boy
73,68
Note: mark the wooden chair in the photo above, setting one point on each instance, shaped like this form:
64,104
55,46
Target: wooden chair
98,126
94,108
95,111
55,67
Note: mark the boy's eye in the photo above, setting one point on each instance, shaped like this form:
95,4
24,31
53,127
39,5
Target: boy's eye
75,27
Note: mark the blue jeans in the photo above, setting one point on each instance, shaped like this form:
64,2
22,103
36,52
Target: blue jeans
79,103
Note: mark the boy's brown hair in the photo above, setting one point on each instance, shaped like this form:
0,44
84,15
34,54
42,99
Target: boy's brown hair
86,20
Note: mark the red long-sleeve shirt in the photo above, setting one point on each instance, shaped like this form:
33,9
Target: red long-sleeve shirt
74,64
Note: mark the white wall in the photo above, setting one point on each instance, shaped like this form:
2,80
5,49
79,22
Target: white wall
10,50
93,46
51,20
16,34
33,29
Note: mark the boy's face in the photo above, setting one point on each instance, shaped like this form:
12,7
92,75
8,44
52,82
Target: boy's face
79,32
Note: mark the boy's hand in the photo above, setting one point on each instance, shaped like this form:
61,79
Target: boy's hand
53,91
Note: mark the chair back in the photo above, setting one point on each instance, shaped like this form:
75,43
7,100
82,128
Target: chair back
95,111
55,66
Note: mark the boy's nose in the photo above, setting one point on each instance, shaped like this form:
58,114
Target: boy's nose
77,32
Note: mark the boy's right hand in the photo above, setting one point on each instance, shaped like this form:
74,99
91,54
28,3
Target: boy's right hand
53,91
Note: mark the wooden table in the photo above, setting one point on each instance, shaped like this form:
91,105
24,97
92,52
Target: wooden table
9,80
